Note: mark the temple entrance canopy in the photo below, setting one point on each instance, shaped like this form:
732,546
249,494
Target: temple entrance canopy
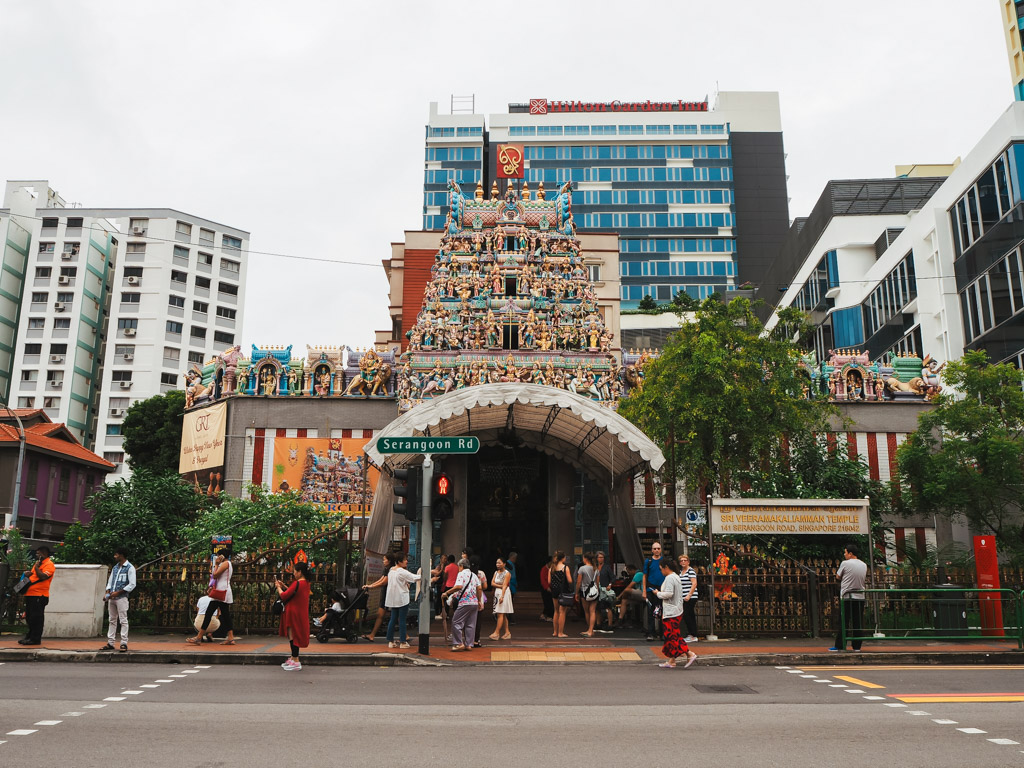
568,427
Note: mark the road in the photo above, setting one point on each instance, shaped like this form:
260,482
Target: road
169,715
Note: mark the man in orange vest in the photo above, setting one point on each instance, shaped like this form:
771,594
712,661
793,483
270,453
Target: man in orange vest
38,595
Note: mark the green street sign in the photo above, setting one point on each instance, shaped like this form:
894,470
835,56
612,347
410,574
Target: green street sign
467,444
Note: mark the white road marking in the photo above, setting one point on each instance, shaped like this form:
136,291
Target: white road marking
808,675
93,706
73,714
971,730
114,698
893,704
49,722
189,672
132,693
875,698
1003,741
21,732
163,681
149,685
177,675
207,666
3,742
776,667
854,690
837,685
941,721
917,712
795,671
826,680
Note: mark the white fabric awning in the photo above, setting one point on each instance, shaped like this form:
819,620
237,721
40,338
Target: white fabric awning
575,429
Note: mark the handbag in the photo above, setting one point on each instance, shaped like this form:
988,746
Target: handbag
22,585
220,595
278,607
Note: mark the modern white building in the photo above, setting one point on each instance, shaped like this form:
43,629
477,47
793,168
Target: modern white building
117,304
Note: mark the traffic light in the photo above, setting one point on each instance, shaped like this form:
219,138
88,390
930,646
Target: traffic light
441,505
407,493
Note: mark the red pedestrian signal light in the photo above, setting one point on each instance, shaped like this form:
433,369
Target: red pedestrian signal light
443,484
442,506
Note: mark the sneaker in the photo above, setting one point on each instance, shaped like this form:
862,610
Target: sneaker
438,617
403,645
291,666
107,647
392,644
833,648
690,639
650,638
124,647
317,623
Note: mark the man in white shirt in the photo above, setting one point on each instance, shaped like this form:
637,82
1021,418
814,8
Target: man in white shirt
120,584
852,574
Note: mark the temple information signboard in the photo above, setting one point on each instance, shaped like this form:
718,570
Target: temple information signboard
800,516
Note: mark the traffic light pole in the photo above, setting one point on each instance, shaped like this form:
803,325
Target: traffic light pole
426,549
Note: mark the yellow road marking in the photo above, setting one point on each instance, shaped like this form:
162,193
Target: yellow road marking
955,699
858,681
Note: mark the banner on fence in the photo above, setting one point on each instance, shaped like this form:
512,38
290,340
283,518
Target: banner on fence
325,471
801,516
202,439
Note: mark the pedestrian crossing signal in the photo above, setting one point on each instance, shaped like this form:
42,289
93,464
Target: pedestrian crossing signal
442,506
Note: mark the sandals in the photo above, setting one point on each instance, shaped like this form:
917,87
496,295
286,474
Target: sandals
228,642
506,637
367,638
494,637
189,640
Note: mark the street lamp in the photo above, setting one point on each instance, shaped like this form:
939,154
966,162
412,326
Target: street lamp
21,463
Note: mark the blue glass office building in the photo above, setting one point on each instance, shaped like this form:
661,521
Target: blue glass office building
695,191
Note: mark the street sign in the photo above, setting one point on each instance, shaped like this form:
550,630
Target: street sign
465,444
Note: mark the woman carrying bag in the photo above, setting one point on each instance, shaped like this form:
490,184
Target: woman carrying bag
561,592
295,617
221,600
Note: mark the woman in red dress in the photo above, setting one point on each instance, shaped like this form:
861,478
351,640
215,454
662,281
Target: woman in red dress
295,618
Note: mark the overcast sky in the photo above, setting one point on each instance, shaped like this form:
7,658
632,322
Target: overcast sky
303,122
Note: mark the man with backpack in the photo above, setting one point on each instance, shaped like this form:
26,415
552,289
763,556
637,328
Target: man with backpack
652,580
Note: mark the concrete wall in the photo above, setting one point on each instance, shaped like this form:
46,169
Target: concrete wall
76,601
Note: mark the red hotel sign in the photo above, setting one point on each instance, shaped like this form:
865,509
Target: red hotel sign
543,106
510,161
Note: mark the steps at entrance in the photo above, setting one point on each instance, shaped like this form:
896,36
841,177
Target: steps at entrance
527,604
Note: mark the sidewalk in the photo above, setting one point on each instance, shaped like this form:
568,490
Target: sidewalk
528,646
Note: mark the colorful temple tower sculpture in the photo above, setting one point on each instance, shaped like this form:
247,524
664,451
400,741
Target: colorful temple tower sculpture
509,300
850,376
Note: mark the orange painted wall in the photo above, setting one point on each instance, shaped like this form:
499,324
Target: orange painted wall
414,282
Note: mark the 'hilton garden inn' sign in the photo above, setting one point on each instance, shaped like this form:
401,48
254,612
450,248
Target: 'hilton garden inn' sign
839,516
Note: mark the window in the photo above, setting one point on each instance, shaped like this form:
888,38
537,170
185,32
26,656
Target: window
72,248
226,312
69,272
50,222
113,429
183,228
172,353
200,306
206,236
181,253
195,357
127,322
46,247
202,282
121,376
169,378
58,349
33,349
40,297
43,273
75,222
230,266
65,296
64,486
227,241
124,349
197,332
33,476
130,298
62,323
173,327
136,248
26,402
230,290
114,457
176,301
178,277
133,271
55,375
224,338
595,273
36,322
138,225
30,375
206,258
51,402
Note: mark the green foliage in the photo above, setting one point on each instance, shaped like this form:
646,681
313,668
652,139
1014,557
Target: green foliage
16,553
966,459
265,521
725,392
647,303
152,432
143,513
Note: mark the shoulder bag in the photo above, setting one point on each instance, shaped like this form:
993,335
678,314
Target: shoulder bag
566,599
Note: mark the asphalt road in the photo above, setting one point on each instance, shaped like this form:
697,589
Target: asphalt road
167,715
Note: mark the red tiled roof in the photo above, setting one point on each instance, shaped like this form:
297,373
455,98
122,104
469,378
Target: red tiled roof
53,438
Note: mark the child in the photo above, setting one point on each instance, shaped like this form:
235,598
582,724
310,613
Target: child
336,607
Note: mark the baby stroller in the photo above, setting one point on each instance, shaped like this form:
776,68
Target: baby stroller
343,624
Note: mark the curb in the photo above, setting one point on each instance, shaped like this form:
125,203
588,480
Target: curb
170,657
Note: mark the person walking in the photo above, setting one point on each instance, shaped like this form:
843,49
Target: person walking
670,593
652,579
120,584
501,581
688,578
382,611
587,592
852,573
561,592
397,600
222,601
295,617
37,596
468,596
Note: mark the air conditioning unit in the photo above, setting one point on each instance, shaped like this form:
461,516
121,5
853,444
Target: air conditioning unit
138,231
126,385
128,356
59,306
63,280
129,331
56,358
133,280
66,256
117,412
55,384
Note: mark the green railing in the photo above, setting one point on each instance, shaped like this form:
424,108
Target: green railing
938,613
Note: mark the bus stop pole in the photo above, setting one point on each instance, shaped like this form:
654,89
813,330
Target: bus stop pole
426,550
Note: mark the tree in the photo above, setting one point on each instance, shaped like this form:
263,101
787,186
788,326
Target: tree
724,391
966,458
143,513
647,303
152,432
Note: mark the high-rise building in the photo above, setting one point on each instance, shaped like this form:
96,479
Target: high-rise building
695,192
1013,29
120,301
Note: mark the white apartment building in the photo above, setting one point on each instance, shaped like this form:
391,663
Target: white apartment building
119,302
